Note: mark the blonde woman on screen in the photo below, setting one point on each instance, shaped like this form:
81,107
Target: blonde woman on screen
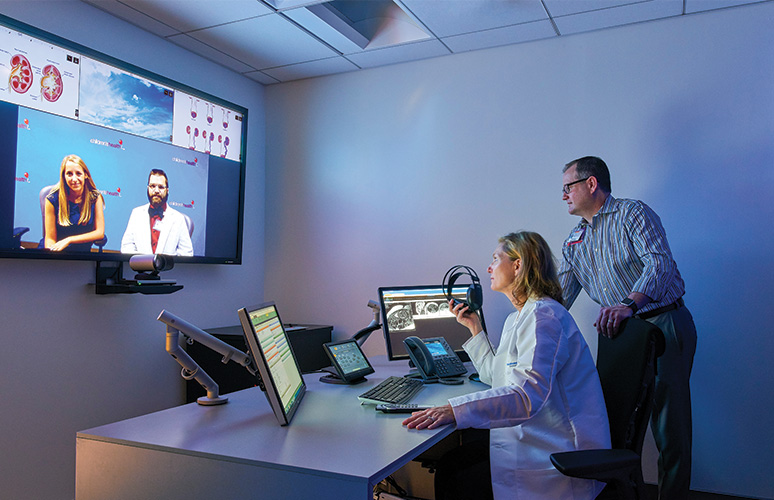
74,209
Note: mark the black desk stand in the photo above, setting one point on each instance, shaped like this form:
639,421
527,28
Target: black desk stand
334,378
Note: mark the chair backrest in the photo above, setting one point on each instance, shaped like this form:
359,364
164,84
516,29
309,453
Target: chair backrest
189,224
42,197
627,369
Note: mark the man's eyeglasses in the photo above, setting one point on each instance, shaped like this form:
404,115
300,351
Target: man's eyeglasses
566,187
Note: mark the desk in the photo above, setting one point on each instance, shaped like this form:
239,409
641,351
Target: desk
333,449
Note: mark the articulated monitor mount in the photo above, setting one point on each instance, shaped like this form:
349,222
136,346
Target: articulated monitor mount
191,370
333,377
374,325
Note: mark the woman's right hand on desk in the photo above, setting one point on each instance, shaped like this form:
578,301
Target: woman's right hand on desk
60,245
430,418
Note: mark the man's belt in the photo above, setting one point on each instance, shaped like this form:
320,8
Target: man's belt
661,310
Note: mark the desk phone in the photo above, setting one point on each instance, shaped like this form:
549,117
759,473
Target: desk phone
434,358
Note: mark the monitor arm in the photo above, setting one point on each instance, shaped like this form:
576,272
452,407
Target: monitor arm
363,334
191,370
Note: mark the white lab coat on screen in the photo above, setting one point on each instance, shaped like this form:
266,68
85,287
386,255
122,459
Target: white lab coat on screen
545,398
173,237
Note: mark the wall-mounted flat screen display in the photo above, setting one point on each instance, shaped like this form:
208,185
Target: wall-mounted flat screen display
103,160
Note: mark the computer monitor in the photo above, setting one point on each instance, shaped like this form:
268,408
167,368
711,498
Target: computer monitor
273,355
421,311
348,360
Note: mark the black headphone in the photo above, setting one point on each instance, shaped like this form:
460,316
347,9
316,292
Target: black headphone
474,296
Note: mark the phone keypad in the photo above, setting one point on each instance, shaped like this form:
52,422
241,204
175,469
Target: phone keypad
448,366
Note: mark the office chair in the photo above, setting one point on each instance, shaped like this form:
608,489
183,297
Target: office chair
627,371
42,198
16,236
189,223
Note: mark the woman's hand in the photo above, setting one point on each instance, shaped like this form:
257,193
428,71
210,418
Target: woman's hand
466,317
61,245
430,418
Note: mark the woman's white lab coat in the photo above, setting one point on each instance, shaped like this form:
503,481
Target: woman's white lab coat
545,398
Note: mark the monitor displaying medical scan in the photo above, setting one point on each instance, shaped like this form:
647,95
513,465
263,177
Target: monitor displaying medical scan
421,311
270,348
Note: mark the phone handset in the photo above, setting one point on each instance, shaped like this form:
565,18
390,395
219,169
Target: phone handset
420,355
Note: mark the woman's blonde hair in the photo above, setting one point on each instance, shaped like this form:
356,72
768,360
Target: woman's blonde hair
90,193
537,277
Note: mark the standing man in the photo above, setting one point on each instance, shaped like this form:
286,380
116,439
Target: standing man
155,228
619,254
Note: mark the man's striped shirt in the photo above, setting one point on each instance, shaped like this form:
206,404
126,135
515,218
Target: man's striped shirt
624,249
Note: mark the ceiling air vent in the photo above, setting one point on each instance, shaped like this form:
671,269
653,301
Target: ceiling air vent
353,26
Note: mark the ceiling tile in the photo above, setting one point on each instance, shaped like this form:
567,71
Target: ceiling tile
311,69
208,52
122,11
264,42
261,77
291,4
501,36
397,28
399,53
188,15
559,8
616,16
465,16
702,5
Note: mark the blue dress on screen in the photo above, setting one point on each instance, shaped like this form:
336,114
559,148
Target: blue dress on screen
74,228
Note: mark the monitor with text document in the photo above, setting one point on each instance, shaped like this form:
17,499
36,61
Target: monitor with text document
277,366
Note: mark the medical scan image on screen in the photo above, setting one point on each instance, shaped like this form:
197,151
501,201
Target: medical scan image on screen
421,311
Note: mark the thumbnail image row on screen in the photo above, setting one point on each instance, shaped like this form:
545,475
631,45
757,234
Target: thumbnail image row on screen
44,76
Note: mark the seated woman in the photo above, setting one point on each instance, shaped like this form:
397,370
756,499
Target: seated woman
74,215
545,394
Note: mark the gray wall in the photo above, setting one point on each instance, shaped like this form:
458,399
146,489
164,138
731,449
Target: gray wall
390,176
71,359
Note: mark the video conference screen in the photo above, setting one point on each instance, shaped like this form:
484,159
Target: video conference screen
57,101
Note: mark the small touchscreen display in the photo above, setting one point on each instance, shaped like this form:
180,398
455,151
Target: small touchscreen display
348,360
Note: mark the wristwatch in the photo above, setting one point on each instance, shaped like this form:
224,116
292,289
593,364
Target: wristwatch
630,304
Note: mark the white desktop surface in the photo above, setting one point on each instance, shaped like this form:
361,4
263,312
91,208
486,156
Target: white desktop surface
333,448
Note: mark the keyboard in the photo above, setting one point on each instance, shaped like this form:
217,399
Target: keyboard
393,390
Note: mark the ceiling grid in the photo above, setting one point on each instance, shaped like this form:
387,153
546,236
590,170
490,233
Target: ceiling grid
275,41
